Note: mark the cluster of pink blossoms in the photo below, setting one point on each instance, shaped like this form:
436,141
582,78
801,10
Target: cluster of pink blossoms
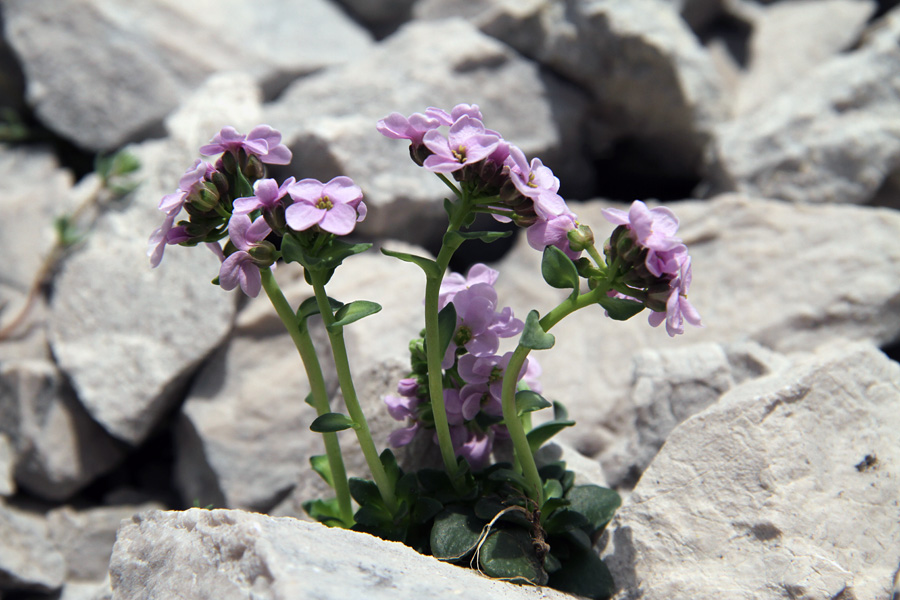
473,366
663,264
207,192
496,171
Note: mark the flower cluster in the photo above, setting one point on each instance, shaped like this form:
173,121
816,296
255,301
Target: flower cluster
232,198
473,369
655,264
493,171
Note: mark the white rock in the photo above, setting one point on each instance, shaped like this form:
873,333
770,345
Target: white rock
787,487
103,72
28,559
833,136
790,38
87,590
763,270
230,554
59,449
329,118
7,466
648,75
85,538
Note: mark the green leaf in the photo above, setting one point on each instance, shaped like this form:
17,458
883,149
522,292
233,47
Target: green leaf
310,400
552,504
452,238
597,504
352,312
533,336
552,489
558,269
377,518
327,512
365,492
430,267
446,326
509,476
620,309
310,307
291,249
321,466
331,422
455,533
336,251
559,412
584,574
509,554
528,401
565,520
391,468
543,432
579,538
425,509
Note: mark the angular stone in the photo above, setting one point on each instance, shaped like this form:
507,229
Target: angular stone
329,119
791,37
231,554
59,449
831,137
85,538
649,77
244,438
28,559
787,487
784,276
102,72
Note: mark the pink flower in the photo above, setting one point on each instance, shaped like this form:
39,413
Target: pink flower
467,143
398,127
262,141
553,232
240,268
654,229
335,206
487,369
460,110
537,182
171,204
678,309
455,283
268,196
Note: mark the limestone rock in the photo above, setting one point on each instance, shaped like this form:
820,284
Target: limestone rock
102,72
85,538
649,77
231,554
833,136
28,559
763,270
788,486
328,119
7,466
59,449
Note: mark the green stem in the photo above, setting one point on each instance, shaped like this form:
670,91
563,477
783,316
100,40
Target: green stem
307,351
517,434
345,378
433,348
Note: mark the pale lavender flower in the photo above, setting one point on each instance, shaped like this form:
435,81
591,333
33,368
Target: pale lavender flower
474,317
403,436
487,369
455,283
537,182
262,141
335,206
412,128
268,195
460,110
401,407
678,308
553,232
475,397
156,245
171,205
240,268
467,143
654,229
408,387
477,449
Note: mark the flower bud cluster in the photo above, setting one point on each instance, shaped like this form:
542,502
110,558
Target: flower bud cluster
233,198
493,171
472,371
651,264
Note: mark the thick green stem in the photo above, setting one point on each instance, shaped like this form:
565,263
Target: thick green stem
307,351
345,378
433,347
517,434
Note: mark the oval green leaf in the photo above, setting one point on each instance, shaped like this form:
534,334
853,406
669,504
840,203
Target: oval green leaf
331,422
620,309
597,504
509,554
558,270
455,533
350,313
584,574
533,336
528,401
543,432
426,264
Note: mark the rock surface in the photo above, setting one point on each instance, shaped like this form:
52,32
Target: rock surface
231,554
28,559
788,486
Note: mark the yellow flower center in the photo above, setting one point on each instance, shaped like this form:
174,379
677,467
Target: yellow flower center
324,203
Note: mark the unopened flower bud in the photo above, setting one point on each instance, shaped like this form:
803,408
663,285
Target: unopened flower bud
263,253
254,168
419,153
581,238
276,219
221,182
229,163
206,197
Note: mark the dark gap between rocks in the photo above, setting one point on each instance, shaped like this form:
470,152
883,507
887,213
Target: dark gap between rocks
734,33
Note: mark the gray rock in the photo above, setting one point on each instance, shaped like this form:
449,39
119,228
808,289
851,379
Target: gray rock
59,449
87,590
232,554
790,38
670,386
328,119
85,538
833,136
7,466
382,17
244,438
763,270
102,72
28,559
787,487
649,77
